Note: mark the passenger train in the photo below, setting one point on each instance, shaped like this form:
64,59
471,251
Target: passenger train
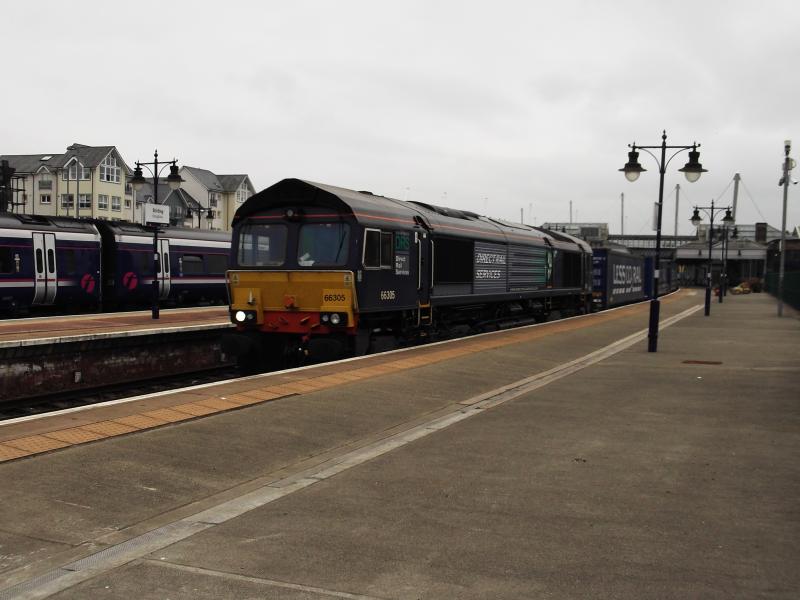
73,265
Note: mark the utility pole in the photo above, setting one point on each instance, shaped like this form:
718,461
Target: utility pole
570,212
788,163
677,202
521,216
736,179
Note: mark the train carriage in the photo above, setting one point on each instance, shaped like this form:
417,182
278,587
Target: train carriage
48,262
194,264
323,271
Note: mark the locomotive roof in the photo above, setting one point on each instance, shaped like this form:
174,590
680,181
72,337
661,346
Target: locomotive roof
372,210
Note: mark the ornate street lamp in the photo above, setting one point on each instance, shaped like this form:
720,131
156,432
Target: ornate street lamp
209,215
137,181
632,169
727,221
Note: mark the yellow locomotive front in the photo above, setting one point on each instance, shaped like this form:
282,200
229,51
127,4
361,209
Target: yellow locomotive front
292,289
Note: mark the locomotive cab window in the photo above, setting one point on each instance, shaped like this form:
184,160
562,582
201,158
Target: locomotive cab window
323,244
262,245
378,249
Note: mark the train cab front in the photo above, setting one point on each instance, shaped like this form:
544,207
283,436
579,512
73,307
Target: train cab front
292,294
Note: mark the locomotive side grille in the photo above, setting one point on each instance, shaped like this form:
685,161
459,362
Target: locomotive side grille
527,268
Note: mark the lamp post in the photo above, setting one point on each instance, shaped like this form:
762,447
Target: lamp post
788,165
209,214
696,219
174,180
632,169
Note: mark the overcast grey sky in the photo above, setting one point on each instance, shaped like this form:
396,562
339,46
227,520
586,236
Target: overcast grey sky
487,106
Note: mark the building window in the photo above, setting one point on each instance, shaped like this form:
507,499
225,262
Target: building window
102,201
67,200
71,174
84,201
242,193
116,203
127,202
212,199
109,171
46,184
128,189
45,199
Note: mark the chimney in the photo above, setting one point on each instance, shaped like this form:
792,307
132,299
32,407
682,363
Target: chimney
761,232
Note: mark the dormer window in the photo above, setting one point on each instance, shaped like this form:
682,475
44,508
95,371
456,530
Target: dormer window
243,193
71,173
109,170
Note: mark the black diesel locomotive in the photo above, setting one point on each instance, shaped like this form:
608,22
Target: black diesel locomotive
321,272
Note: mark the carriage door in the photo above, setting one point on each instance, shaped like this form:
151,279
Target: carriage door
164,276
44,258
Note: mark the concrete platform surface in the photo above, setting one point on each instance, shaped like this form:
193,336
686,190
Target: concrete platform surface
81,328
574,465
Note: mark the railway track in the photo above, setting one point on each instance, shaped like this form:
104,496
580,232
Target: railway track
13,409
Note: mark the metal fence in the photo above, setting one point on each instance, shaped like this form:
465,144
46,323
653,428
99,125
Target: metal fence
791,287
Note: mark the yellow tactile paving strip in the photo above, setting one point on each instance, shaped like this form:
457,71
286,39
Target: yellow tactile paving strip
12,449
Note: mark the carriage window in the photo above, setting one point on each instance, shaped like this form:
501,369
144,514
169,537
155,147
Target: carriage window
217,264
39,261
387,249
323,244
6,261
372,249
145,260
69,262
191,264
166,262
51,261
262,245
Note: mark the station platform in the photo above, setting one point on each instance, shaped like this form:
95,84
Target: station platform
41,357
15,333
560,460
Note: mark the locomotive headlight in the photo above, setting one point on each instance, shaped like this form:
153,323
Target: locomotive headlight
240,316
335,319
325,318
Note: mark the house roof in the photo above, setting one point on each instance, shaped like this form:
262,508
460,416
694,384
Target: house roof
30,163
231,183
208,179
166,195
92,156
89,156
219,183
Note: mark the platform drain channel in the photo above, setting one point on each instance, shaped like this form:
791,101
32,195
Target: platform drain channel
109,558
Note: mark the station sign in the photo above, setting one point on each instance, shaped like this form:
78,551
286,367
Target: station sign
156,213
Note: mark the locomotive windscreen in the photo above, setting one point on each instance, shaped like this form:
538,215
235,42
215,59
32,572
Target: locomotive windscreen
262,245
